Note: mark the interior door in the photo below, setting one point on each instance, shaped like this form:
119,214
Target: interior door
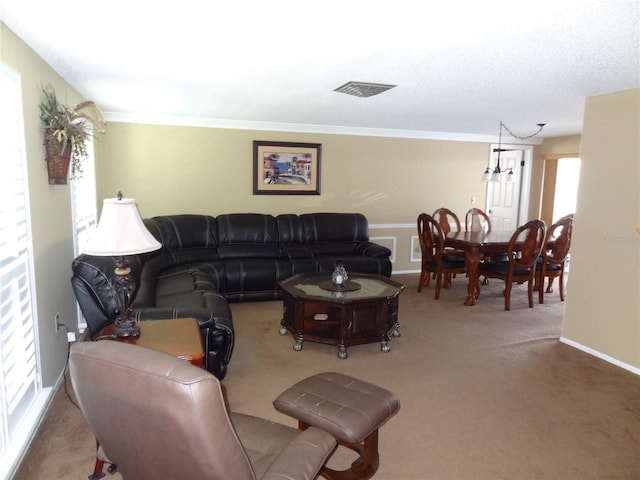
503,198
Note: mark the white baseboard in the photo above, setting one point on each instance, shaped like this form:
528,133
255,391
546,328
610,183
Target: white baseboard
600,355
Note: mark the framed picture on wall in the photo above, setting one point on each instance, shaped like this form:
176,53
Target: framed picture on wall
284,168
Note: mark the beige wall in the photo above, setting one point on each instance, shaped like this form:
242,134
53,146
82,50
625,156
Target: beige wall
603,301
170,170
50,208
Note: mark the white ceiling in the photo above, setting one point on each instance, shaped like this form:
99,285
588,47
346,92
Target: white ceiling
460,67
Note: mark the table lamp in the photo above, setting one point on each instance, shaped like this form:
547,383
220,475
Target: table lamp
121,232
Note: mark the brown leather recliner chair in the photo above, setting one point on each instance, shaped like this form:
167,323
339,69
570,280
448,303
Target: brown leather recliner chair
157,416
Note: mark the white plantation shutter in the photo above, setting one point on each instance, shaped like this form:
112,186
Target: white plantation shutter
19,379
84,210
83,201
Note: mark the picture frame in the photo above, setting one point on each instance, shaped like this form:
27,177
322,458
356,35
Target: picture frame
286,168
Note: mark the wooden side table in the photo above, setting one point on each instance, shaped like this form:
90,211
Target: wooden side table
179,337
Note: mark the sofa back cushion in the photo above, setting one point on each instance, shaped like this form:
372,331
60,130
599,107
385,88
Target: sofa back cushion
247,235
334,233
289,229
334,227
183,231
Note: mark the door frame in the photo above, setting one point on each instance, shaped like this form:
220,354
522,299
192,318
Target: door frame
525,178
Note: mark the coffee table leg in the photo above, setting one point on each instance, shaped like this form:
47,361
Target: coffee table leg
342,352
298,345
384,346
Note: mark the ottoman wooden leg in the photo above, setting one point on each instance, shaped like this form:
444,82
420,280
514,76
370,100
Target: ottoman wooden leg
364,467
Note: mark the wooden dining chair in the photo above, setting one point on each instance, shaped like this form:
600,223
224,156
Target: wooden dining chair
523,252
446,218
476,220
449,222
434,259
552,259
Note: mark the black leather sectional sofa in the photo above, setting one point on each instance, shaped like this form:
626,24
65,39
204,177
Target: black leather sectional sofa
206,262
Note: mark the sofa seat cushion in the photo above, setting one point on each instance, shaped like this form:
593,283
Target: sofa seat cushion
194,299
183,281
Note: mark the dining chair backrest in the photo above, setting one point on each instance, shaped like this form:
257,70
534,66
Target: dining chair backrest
568,216
532,237
554,254
523,251
560,233
446,218
429,230
476,220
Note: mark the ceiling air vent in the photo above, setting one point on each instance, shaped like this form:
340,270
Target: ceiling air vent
363,89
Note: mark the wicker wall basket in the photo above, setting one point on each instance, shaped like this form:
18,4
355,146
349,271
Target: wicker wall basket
57,160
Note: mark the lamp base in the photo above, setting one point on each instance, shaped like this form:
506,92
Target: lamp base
126,328
124,286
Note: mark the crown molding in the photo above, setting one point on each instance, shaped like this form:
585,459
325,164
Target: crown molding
300,128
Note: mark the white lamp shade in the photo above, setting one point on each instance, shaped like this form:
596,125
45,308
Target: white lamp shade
120,231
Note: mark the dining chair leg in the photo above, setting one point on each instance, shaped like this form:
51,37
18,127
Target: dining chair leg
421,281
507,296
540,286
438,286
550,285
425,277
561,280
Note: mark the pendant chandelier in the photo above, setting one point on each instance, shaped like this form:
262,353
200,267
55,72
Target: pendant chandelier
494,176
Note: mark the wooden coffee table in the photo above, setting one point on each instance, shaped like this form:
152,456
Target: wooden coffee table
343,317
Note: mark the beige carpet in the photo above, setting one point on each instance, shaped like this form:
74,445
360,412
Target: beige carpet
486,394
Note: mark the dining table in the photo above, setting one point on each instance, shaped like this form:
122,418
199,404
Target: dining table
476,245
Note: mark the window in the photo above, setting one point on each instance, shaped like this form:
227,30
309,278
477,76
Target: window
83,210
19,364
566,194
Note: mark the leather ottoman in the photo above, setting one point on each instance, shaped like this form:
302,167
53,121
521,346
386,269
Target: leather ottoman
350,409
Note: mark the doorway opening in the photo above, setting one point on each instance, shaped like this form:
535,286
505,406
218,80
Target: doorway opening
566,195
560,186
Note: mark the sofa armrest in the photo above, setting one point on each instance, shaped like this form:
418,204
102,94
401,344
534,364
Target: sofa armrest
303,457
370,249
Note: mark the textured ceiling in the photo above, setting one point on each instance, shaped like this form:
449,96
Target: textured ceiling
460,67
